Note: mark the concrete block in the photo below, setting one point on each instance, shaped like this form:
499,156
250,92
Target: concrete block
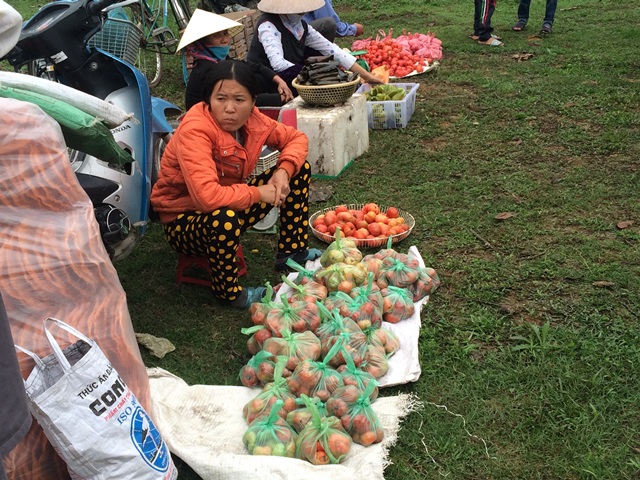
337,135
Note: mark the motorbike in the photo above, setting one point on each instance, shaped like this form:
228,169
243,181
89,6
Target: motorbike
59,33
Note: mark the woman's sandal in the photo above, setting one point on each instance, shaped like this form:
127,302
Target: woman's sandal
475,38
492,42
519,26
546,29
301,257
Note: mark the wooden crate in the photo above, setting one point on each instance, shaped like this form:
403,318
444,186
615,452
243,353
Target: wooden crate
241,40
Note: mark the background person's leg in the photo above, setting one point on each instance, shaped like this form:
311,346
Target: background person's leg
523,11
326,27
550,11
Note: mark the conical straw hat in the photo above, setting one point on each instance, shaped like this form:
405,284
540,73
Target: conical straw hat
289,6
203,24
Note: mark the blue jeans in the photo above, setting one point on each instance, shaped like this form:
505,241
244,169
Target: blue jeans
549,14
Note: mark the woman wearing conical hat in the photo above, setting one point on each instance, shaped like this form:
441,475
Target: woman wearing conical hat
284,40
207,39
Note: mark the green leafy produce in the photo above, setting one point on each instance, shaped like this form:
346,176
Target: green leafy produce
384,93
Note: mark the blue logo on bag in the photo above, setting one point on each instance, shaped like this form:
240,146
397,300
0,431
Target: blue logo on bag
148,441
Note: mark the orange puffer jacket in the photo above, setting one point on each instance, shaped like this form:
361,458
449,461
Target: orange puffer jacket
204,167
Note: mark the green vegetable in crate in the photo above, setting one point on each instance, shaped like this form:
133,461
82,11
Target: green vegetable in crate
385,93
379,115
271,435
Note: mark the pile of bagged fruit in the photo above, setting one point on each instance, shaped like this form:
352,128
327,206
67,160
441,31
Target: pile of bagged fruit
319,350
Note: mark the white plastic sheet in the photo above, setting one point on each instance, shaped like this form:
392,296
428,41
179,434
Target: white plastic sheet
203,425
404,365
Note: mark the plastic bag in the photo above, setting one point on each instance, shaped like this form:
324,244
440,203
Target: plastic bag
323,440
315,378
90,415
299,417
258,310
383,338
354,345
353,407
258,335
334,324
271,435
352,375
81,131
428,282
375,361
341,250
341,277
295,347
270,394
398,304
399,271
297,316
53,263
370,303
310,291
259,370
304,275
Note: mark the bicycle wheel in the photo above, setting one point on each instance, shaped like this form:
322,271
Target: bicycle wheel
149,57
215,6
149,60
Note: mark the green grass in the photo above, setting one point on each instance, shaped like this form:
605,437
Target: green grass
539,359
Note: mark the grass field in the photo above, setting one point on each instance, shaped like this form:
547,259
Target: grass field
533,337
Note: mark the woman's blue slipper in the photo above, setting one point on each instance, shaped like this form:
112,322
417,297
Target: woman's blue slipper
248,296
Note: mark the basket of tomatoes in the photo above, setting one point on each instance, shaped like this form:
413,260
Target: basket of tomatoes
369,225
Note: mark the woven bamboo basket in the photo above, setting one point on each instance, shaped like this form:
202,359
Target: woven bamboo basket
365,242
326,95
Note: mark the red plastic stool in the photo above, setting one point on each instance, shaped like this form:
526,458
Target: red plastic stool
185,262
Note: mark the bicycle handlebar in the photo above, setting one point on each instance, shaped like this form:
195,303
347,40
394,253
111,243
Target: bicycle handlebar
98,5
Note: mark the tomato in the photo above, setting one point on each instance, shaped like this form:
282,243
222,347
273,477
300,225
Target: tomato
382,218
374,229
371,207
341,208
330,218
370,217
392,212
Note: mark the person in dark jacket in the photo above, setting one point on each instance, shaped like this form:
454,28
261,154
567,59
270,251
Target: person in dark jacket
284,40
207,40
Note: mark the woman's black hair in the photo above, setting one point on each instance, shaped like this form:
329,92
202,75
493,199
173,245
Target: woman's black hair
229,70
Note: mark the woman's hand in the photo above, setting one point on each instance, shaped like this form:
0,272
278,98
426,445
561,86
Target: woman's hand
283,89
368,77
267,194
280,179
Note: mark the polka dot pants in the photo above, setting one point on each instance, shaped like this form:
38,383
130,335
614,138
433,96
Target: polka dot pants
216,234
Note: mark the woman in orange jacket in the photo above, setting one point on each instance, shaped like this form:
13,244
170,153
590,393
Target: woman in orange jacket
202,194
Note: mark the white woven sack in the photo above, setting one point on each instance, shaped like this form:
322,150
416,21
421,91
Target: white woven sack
91,417
107,112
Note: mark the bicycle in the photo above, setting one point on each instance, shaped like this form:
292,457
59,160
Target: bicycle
139,33
153,33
